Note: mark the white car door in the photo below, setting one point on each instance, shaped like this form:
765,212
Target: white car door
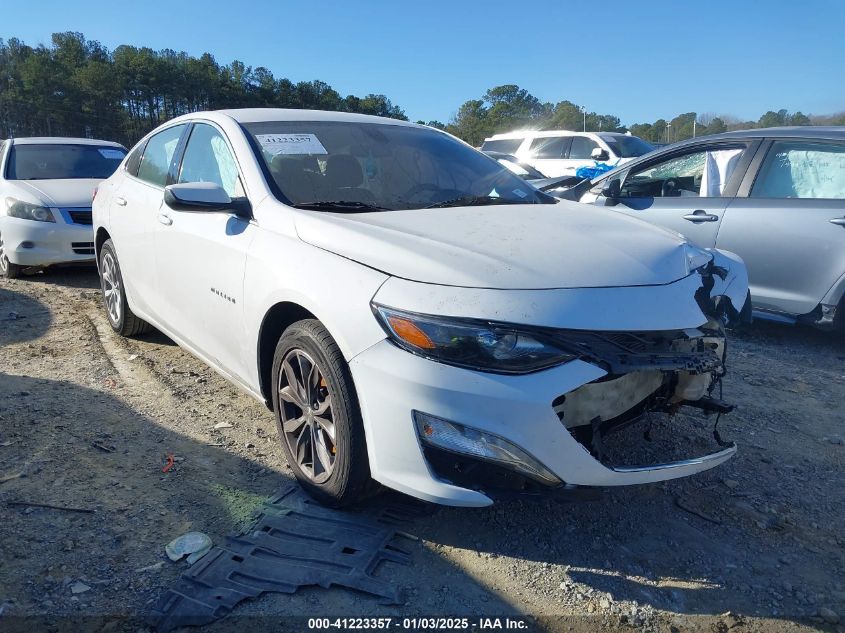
580,155
548,155
134,204
201,256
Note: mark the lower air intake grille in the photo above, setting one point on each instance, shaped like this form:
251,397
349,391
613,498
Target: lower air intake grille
83,248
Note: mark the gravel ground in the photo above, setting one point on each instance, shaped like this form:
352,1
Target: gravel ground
87,421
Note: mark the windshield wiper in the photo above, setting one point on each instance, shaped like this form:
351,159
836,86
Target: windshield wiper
469,201
352,206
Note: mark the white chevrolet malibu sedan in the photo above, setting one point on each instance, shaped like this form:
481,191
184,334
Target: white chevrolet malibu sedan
414,313
46,187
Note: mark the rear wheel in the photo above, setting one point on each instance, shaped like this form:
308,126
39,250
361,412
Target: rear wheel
121,318
7,268
318,417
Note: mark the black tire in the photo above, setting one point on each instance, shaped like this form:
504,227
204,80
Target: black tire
7,268
348,480
120,316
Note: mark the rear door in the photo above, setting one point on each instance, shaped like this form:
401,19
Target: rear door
788,223
549,155
686,190
133,207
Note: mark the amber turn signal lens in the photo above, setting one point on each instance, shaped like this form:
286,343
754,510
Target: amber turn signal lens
410,333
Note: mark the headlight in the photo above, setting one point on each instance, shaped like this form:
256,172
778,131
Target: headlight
26,211
493,347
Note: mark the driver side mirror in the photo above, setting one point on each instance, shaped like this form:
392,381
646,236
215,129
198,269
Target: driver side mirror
599,154
612,191
205,196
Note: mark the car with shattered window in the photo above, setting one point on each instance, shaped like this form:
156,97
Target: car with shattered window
412,312
46,187
774,196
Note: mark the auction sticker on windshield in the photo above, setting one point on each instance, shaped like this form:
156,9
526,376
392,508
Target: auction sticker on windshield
291,143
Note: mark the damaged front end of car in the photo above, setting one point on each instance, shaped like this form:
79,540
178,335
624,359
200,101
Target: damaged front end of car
657,372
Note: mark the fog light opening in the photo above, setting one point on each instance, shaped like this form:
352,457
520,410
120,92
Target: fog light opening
464,440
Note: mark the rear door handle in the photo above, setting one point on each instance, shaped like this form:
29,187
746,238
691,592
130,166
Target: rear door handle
120,201
165,219
839,221
699,215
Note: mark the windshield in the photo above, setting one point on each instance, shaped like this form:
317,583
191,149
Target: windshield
380,167
48,162
627,146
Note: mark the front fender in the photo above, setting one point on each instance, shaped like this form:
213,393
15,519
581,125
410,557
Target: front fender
729,292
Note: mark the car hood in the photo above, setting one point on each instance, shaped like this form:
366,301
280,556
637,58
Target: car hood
536,246
69,192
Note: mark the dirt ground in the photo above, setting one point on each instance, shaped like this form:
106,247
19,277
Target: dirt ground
87,421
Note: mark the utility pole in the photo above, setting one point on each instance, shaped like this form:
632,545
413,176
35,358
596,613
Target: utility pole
668,125
585,119
693,128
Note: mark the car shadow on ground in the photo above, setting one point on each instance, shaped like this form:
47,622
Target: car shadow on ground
80,276
22,318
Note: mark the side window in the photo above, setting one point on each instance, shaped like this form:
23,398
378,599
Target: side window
208,159
504,145
802,169
550,146
134,160
158,153
582,147
704,174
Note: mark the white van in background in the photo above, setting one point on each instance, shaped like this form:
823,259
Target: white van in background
560,152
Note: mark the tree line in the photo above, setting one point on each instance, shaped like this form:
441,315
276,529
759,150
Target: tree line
77,87
509,107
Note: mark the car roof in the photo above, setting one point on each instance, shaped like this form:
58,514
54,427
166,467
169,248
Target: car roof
61,140
258,115
833,132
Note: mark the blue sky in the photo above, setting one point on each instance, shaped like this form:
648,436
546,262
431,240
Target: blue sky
637,59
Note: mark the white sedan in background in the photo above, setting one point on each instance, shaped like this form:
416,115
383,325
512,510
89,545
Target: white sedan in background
414,313
46,187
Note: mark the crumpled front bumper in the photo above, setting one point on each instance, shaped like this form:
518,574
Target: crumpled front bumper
392,383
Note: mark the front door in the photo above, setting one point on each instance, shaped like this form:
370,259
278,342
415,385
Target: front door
201,256
686,191
548,155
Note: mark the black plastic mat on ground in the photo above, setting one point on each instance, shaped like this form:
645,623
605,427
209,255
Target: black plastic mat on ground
294,543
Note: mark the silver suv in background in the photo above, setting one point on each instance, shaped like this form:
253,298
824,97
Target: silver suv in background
559,153
775,197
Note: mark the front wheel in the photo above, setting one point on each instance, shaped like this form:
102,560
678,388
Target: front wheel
7,268
121,318
318,417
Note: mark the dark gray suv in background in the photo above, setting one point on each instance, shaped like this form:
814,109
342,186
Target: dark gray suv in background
775,197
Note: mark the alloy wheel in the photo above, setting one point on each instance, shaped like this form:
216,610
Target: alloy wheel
4,263
111,287
306,415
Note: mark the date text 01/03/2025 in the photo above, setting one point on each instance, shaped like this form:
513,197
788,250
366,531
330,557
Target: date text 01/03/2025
418,623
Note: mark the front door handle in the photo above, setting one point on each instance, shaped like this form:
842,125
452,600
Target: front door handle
121,202
699,215
839,221
165,219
